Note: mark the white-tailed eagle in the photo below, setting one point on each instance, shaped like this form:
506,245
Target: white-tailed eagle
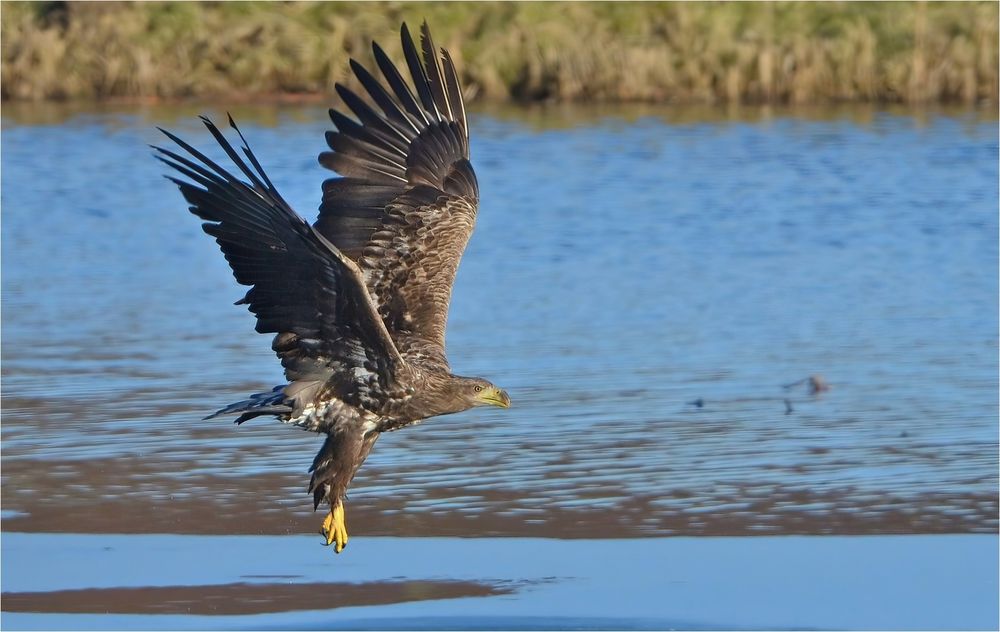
359,300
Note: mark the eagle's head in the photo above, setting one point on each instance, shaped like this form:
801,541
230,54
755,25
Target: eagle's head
476,391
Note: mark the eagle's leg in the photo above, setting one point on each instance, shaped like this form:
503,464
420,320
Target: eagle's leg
335,527
343,452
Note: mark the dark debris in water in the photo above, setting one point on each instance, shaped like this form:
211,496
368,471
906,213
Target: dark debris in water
815,383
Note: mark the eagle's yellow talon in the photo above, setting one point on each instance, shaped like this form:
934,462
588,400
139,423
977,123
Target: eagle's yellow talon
327,529
335,529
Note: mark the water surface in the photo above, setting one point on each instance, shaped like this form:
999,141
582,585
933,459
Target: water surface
643,283
904,582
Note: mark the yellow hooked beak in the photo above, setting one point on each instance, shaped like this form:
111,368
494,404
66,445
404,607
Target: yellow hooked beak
495,397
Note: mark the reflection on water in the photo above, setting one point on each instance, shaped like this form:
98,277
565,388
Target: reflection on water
625,266
240,598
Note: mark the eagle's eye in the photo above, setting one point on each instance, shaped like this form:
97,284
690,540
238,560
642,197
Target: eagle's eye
478,388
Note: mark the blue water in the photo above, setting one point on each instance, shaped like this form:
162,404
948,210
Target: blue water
938,582
624,265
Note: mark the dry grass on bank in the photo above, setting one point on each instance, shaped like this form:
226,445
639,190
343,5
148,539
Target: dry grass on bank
564,51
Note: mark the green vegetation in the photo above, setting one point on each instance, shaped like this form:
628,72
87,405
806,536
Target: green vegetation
751,52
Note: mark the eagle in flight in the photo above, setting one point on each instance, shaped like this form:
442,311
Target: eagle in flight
358,301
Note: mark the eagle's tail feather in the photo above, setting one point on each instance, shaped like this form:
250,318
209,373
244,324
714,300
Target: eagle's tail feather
270,403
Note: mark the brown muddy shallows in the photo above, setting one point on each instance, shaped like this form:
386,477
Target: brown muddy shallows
240,598
144,496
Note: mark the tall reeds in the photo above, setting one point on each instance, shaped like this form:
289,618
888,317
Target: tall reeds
787,52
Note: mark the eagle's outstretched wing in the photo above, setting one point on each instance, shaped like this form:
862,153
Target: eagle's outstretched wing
406,205
329,335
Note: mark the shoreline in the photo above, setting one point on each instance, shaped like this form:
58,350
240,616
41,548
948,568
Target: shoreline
266,110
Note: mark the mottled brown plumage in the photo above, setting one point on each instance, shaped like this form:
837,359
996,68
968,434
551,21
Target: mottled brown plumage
358,301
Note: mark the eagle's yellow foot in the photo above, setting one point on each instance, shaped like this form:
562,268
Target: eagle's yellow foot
335,528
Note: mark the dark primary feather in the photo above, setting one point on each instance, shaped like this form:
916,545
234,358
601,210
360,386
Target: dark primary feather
418,74
302,288
434,80
406,204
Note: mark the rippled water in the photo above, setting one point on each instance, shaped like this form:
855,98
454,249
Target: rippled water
626,266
